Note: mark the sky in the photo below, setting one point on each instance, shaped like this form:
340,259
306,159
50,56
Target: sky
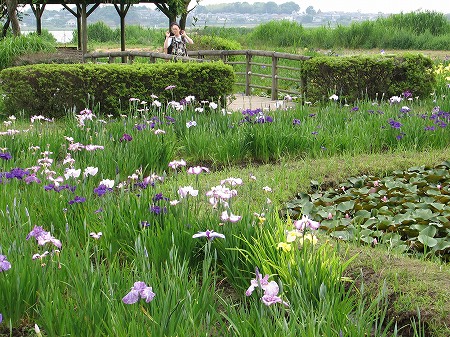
384,6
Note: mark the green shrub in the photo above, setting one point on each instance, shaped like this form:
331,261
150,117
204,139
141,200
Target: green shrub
13,47
100,32
205,42
361,77
138,35
53,89
281,33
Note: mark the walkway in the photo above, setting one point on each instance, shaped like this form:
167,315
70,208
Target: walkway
241,103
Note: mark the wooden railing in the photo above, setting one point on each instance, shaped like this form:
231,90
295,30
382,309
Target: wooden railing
241,60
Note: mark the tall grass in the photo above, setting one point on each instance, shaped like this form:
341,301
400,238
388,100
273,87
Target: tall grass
100,33
12,47
416,30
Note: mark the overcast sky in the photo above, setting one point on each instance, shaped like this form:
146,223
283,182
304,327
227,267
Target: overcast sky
364,6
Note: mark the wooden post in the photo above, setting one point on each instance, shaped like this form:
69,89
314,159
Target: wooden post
248,73
84,29
274,78
122,11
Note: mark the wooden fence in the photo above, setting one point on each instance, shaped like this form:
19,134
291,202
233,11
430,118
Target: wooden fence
277,68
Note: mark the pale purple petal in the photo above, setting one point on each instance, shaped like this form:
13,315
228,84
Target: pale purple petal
139,286
250,289
271,288
199,235
270,299
131,297
147,294
37,231
4,264
213,235
209,234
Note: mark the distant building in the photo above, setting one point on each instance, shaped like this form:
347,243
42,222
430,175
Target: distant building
71,23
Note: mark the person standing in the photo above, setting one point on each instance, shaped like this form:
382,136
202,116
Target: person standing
176,40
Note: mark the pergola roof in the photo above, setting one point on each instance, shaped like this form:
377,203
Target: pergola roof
82,12
89,2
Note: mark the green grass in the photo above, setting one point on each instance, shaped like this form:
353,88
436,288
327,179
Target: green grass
87,278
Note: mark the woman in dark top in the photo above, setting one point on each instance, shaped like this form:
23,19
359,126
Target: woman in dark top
176,40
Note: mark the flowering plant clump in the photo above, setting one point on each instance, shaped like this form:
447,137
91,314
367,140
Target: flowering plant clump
270,289
42,237
256,116
299,234
139,290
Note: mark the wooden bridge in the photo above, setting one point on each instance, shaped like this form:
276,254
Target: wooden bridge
278,72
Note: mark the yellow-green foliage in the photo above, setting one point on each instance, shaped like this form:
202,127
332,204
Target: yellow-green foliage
53,89
361,77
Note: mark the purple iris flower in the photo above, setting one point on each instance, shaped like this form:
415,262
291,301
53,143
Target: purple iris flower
296,121
17,173
60,188
394,124
158,197
32,179
400,136
102,189
49,187
126,137
407,94
77,200
4,264
43,237
139,290
158,209
140,127
5,155
169,120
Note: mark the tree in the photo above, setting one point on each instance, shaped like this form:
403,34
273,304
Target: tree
176,8
271,7
11,10
310,10
9,15
289,7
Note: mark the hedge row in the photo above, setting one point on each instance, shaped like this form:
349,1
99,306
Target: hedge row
367,77
54,89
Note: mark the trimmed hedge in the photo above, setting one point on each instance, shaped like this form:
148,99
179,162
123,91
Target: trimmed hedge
367,77
54,89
